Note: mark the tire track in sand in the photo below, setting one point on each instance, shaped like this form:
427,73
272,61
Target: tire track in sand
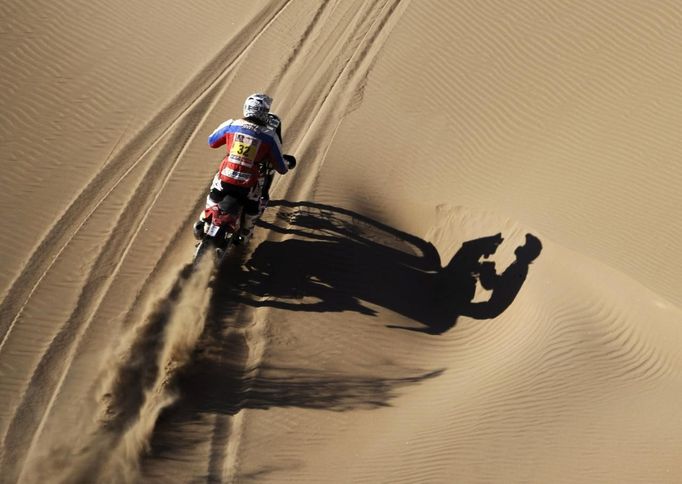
345,88
121,162
366,26
44,386
139,385
47,378
339,92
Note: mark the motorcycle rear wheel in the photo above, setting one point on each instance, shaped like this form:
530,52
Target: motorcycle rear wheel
208,245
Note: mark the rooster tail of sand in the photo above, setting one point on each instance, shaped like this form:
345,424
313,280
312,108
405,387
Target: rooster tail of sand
137,384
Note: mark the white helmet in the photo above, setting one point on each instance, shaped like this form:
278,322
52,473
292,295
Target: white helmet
257,106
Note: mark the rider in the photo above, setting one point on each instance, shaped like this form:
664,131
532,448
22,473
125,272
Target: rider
253,147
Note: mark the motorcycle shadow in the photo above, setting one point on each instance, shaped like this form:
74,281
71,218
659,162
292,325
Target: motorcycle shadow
339,260
332,259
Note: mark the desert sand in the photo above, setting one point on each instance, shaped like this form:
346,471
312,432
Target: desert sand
474,273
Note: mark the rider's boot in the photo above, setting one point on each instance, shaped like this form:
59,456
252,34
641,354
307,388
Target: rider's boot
198,228
247,228
262,205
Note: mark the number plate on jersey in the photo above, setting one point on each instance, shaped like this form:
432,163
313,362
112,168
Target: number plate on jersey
244,149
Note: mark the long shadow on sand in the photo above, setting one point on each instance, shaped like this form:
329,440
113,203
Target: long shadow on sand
216,385
341,260
337,260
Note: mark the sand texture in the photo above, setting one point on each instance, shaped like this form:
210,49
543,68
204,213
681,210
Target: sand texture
474,274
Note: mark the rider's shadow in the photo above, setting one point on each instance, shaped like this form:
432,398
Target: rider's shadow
340,261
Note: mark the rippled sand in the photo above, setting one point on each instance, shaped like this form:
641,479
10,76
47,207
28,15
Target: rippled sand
473,275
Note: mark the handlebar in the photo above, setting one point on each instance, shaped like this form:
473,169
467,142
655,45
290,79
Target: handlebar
290,161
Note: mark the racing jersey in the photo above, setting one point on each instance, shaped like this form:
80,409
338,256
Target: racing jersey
249,146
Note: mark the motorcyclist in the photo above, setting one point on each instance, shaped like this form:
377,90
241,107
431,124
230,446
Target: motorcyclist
253,149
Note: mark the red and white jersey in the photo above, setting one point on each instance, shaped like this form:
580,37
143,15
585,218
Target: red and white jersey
249,145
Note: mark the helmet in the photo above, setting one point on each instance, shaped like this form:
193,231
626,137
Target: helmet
257,106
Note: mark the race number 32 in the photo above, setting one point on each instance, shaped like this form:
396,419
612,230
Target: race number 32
244,149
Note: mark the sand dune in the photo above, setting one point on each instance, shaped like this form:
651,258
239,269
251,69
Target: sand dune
472,275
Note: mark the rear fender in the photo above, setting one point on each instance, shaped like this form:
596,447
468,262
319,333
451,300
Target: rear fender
225,220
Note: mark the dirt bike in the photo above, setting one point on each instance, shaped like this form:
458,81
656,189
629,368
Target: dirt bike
221,228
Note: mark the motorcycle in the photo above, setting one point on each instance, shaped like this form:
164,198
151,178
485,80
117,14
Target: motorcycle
221,228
